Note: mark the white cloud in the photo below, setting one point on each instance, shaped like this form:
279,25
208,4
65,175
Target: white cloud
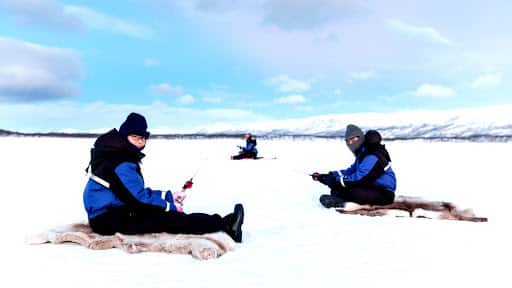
51,13
60,115
216,6
487,81
273,36
285,84
291,99
365,75
104,22
165,89
150,62
338,92
304,108
284,14
186,99
48,13
32,72
425,33
212,99
307,14
436,91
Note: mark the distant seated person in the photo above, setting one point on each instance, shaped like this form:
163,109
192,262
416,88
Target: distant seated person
369,180
249,151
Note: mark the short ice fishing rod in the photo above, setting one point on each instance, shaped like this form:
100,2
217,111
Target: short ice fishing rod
180,196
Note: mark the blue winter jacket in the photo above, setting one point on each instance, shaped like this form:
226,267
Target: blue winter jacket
116,179
250,146
372,166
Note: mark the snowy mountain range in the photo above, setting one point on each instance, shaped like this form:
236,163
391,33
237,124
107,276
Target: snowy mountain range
486,123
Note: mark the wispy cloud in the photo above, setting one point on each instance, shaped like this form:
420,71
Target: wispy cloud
304,108
49,13
364,75
186,99
100,21
435,91
31,72
212,99
150,62
285,84
161,117
55,15
216,6
426,33
165,89
490,80
308,14
291,99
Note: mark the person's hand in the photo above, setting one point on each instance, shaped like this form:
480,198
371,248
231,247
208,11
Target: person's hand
316,176
179,197
188,184
336,175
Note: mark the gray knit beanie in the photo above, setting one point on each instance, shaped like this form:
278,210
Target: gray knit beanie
353,131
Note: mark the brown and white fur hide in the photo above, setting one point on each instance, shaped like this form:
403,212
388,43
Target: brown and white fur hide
405,206
206,246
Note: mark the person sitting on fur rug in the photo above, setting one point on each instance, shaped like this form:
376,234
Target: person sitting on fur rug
117,201
249,151
369,180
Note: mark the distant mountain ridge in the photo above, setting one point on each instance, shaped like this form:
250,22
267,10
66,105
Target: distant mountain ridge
492,123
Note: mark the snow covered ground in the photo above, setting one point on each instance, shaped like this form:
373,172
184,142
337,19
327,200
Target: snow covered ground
289,239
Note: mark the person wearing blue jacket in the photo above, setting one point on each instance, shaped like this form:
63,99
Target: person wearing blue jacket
369,180
116,199
249,151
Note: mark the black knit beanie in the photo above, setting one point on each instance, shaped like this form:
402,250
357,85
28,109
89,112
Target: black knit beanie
134,124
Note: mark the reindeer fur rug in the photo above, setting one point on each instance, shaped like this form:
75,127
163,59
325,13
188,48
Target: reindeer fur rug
405,206
206,246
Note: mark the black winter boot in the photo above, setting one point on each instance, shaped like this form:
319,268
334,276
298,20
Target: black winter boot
330,201
234,223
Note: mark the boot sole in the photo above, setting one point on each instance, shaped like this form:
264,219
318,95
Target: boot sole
239,214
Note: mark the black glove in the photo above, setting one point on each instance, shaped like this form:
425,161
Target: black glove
326,179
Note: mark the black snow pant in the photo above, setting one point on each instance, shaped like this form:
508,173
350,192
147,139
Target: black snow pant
126,221
371,195
245,155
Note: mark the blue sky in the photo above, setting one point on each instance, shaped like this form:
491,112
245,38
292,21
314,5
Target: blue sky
84,65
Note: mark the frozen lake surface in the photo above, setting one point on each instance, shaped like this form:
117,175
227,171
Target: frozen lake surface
289,239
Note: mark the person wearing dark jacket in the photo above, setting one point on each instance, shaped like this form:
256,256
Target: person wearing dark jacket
249,151
369,180
116,199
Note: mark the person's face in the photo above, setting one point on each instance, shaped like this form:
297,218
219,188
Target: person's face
246,136
137,140
352,140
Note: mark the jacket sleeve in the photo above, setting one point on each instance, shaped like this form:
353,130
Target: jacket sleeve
134,184
248,147
364,173
349,170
